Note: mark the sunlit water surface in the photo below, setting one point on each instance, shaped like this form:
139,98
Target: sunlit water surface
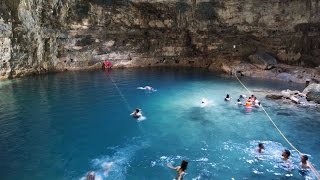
62,126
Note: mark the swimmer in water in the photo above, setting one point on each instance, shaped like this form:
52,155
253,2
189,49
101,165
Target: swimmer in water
304,162
136,114
256,102
147,88
204,102
228,97
239,102
91,175
260,148
285,155
242,96
252,97
287,163
180,169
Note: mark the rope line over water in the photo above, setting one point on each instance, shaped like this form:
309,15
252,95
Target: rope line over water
313,169
120,93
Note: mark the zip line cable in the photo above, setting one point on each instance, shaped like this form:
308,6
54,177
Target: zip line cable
313,169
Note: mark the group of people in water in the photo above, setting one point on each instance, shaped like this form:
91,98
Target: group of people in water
181,170
252,101
288,164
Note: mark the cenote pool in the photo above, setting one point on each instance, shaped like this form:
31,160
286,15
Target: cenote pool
62,126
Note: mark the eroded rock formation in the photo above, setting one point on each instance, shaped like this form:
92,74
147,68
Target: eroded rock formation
39,36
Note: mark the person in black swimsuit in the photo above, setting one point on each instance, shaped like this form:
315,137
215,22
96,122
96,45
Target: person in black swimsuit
180,169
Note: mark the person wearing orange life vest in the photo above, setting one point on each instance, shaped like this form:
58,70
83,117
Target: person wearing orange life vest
248,103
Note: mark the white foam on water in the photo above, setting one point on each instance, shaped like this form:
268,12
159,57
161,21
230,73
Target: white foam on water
203,159
197,178
272,157
153,163
142,118
115,166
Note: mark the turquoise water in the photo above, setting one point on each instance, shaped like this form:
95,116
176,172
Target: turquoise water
62,126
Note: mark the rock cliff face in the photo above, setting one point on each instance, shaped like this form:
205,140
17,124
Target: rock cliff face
39,36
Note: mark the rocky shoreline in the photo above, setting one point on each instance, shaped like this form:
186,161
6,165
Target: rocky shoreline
269,39
224,65
309,97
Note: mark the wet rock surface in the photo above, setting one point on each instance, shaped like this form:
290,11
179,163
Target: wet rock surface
313,92
307,98
57,35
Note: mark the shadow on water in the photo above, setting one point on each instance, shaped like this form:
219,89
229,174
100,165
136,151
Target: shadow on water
198,114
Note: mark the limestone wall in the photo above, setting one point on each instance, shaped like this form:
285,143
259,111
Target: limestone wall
38,36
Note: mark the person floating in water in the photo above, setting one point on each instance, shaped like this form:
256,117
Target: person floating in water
252,97
147,88
304,162
228,97
242,96
248,103
260,148
239,102
204,102
91,176
287,163
180,169
304,165
285,155
136,114
256,102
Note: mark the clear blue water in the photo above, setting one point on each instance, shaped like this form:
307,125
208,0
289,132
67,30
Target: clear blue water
62,126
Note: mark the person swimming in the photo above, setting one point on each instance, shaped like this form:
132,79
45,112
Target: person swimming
91,175
180,169
204,102
256,102
287,163
285,154
239,102
304,165
260,148
248,103
304,162
252,97
147,88
228,97
136,114
242,96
